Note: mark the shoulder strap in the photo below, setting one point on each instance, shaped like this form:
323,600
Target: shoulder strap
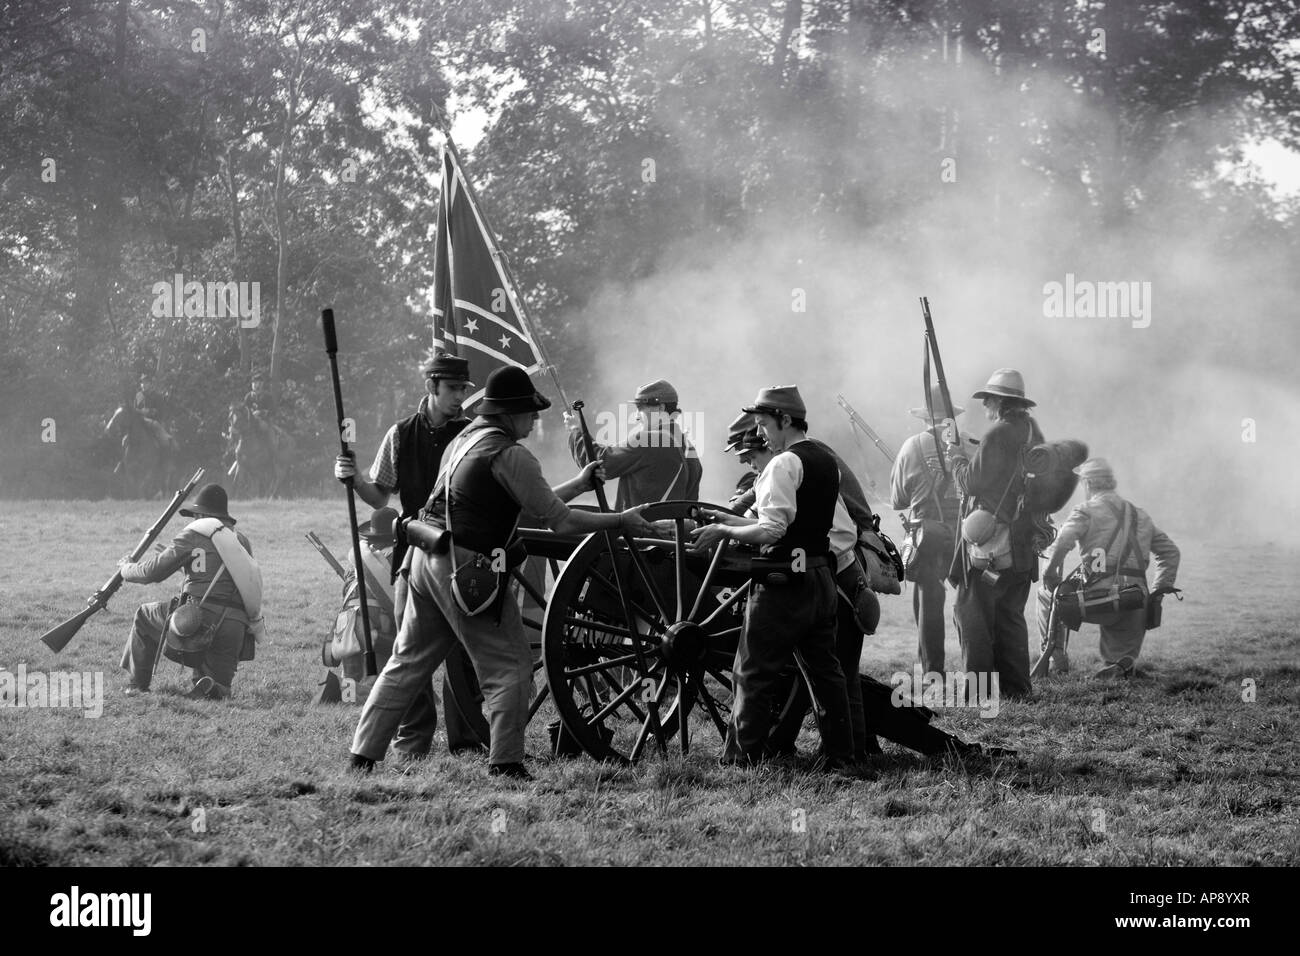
244,570
454,457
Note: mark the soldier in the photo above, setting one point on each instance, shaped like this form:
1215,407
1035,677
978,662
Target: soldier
487,480
1128,538
407,464
222,583
742,438
920,485
796,497
997,562
345,647
658,462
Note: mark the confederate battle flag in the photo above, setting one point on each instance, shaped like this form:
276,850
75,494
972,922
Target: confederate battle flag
478,314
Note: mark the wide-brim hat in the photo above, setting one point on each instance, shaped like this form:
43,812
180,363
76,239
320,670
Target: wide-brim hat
450,368
210,502
778,400
940,411
1095,468
510,391
379,529
1005,383
659,392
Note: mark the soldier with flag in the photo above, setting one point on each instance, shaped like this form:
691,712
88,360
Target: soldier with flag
657,462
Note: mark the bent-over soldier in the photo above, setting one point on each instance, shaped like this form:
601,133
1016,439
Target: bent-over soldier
223,585
1117,540
487,479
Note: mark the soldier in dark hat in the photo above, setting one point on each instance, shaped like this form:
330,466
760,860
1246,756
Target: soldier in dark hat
921,486
997,562
466,534
407,464
220,602
657,462
795,504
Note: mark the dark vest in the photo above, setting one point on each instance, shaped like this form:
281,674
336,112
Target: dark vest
483,514
814,503
419,456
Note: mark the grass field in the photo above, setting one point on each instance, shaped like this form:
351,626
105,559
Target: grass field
1171,768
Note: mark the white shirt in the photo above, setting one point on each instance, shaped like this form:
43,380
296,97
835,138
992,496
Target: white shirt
774,504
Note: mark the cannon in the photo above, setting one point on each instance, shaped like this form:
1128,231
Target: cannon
636,643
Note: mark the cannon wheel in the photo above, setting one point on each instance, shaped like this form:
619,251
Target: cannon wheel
635,640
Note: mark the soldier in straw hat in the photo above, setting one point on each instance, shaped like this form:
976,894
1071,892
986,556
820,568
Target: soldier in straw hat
996,563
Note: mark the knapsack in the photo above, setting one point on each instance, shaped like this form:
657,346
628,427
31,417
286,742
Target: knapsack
1049,474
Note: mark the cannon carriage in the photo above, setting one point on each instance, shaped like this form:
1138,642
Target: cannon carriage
638,635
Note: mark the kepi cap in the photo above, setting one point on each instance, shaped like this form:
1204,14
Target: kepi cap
778,399
658,392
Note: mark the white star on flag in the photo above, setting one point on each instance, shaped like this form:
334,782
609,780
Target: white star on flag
505,341
471,324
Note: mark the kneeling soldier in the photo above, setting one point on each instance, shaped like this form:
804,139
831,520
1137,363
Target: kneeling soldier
796,498
213,625
1128,538
464,535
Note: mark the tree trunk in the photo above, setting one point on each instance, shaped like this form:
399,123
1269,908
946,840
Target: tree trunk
281,239
789,24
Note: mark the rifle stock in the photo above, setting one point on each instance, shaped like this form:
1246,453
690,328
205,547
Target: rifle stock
58,637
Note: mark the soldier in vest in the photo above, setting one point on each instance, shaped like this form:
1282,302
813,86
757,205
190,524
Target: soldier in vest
487,480
1117,540
657,462
407,464
795,505
920,486
997,561
224,586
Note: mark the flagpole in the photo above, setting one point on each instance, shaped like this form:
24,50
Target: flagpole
500,257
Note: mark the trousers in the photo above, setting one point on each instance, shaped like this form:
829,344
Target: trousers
1122,632
928,595
848,650
432,624
780,623
991,627
219,661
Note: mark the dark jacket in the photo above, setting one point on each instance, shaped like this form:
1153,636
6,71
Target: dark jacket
995,481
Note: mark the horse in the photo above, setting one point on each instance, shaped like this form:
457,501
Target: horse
260,454
146,453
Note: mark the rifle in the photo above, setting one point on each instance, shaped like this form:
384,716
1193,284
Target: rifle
325,553
332,350
858,421
57,638
933,349
1055,633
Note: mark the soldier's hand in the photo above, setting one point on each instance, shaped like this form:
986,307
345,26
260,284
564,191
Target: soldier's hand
596,470
1051,580
124,560
345,466
633,521
710,535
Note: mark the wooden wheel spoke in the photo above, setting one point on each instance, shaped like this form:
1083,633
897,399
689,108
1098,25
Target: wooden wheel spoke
735,596
709,704
619,699
588,625
717,675
538,700
708,577
527,585
654,622
600,666
679,567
